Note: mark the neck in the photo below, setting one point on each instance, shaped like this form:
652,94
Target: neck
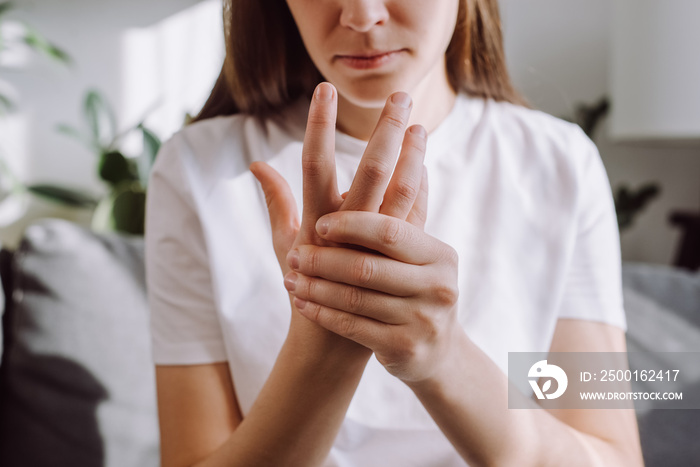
433,100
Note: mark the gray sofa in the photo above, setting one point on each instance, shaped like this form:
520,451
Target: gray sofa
77,382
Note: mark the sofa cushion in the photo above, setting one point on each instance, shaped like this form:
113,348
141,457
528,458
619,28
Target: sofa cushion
77,381
4,276
663,315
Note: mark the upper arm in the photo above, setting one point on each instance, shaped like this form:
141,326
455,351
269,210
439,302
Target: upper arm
612,430
197,411
184,322
197,407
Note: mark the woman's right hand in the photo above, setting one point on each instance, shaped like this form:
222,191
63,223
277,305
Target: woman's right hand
403,195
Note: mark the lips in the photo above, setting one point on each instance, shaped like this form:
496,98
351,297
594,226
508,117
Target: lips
368,54
370,60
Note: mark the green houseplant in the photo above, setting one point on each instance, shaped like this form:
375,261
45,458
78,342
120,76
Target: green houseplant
123,209
30,38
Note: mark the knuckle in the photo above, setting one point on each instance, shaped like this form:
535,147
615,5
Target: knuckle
445,295
406,192
342,225
374,172
313,260
428,326
390,232
354,299
347,326
313,164
394,121
319,120
364,270
417,144
420,216
314,311
310,287
404,350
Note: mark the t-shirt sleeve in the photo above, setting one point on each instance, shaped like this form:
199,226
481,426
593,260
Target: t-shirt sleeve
184,323
593,285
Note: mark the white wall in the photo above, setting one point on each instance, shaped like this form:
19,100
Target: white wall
135,52
558,54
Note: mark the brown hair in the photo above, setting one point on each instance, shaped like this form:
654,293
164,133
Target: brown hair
267,66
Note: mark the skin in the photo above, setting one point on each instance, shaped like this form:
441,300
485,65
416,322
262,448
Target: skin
395,295
421,28
317,371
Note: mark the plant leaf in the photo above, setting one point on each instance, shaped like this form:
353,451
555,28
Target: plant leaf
151,144
129,210
73,132
63,195
6,105
100,119
37,42
5,7
114,168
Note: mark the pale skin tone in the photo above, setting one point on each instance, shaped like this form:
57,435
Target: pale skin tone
399,301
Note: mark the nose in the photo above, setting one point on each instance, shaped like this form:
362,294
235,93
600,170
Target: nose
362,15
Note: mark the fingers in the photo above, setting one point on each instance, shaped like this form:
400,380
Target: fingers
373,173
318,155
372,304
389,236
405,183
357,268
281,207
419,211
365,331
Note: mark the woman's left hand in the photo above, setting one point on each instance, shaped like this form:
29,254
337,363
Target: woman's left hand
401,302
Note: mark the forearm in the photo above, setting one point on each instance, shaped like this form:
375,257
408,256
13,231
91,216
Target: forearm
299,410
469,402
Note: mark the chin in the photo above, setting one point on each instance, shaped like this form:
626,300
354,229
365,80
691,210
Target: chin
371,92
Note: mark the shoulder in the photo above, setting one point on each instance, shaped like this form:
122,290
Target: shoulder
532,127
538,146
213,148
227,145
205,140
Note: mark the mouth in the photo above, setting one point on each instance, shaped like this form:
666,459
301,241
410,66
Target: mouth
369,59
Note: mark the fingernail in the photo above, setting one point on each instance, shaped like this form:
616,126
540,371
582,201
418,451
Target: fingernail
418,130
300,304
324,92
322,226
401,99
293,259
290,281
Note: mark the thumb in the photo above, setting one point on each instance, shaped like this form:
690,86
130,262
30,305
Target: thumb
281,208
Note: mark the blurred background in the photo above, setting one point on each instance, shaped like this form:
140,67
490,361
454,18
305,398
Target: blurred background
154,62
90,88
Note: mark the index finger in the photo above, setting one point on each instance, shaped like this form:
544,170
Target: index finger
320,191
373,173
384,234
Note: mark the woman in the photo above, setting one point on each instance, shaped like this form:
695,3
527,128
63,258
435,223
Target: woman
391,344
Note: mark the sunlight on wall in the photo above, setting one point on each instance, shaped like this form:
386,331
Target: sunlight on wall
168,69
13,127
13,144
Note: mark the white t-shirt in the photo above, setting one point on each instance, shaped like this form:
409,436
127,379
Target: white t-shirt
522,197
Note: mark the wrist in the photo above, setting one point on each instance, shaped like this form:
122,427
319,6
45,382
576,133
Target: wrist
443,373
315,345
